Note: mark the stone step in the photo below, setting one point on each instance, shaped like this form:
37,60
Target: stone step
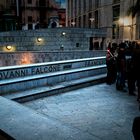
30,82
44,91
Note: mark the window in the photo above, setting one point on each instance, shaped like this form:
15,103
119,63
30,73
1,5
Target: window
75,22
115,27
60,17
75,11
96,45
79,12
29,18
84,21
115,31
89,21
96,19
97,3
79,22
77,45
116,1
29,1
13,2
84,8
116,12
43,3
90,5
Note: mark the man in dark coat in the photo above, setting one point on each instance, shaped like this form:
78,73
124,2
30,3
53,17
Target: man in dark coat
136,63
136,128
111,65
131,79
121,68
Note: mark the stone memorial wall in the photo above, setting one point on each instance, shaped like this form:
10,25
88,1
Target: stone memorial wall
30,57
28,77
42,68
49,39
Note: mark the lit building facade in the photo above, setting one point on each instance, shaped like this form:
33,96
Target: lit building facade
31,14
7,17
109,14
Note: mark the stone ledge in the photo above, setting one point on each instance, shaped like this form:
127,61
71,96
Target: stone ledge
12,72
56,89
40,76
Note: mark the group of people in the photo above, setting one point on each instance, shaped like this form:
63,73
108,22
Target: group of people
123,67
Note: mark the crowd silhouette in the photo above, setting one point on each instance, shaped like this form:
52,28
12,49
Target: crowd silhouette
123,67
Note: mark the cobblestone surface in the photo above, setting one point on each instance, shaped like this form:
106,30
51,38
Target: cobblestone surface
98,112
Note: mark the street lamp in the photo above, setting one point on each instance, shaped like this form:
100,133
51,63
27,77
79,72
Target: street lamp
8,47
73,23
63,33
39,39
91,20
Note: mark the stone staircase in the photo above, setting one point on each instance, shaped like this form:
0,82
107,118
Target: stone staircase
29,82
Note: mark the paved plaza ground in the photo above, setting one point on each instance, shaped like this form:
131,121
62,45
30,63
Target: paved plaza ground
99,112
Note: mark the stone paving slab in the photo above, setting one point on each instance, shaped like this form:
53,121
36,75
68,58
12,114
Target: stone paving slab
23,123
99,110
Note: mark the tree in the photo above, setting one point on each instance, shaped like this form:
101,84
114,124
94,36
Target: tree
135,9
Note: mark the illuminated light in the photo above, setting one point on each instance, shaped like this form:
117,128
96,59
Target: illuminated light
73,23
109,52
126,21
62,47
121,21
138,41
9,47
91,19
39,39
26,58
63,33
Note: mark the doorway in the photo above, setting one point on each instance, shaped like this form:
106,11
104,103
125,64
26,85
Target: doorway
91,44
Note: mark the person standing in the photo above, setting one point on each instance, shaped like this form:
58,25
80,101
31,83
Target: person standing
136,65
136,128
121,68
111,65
131,79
